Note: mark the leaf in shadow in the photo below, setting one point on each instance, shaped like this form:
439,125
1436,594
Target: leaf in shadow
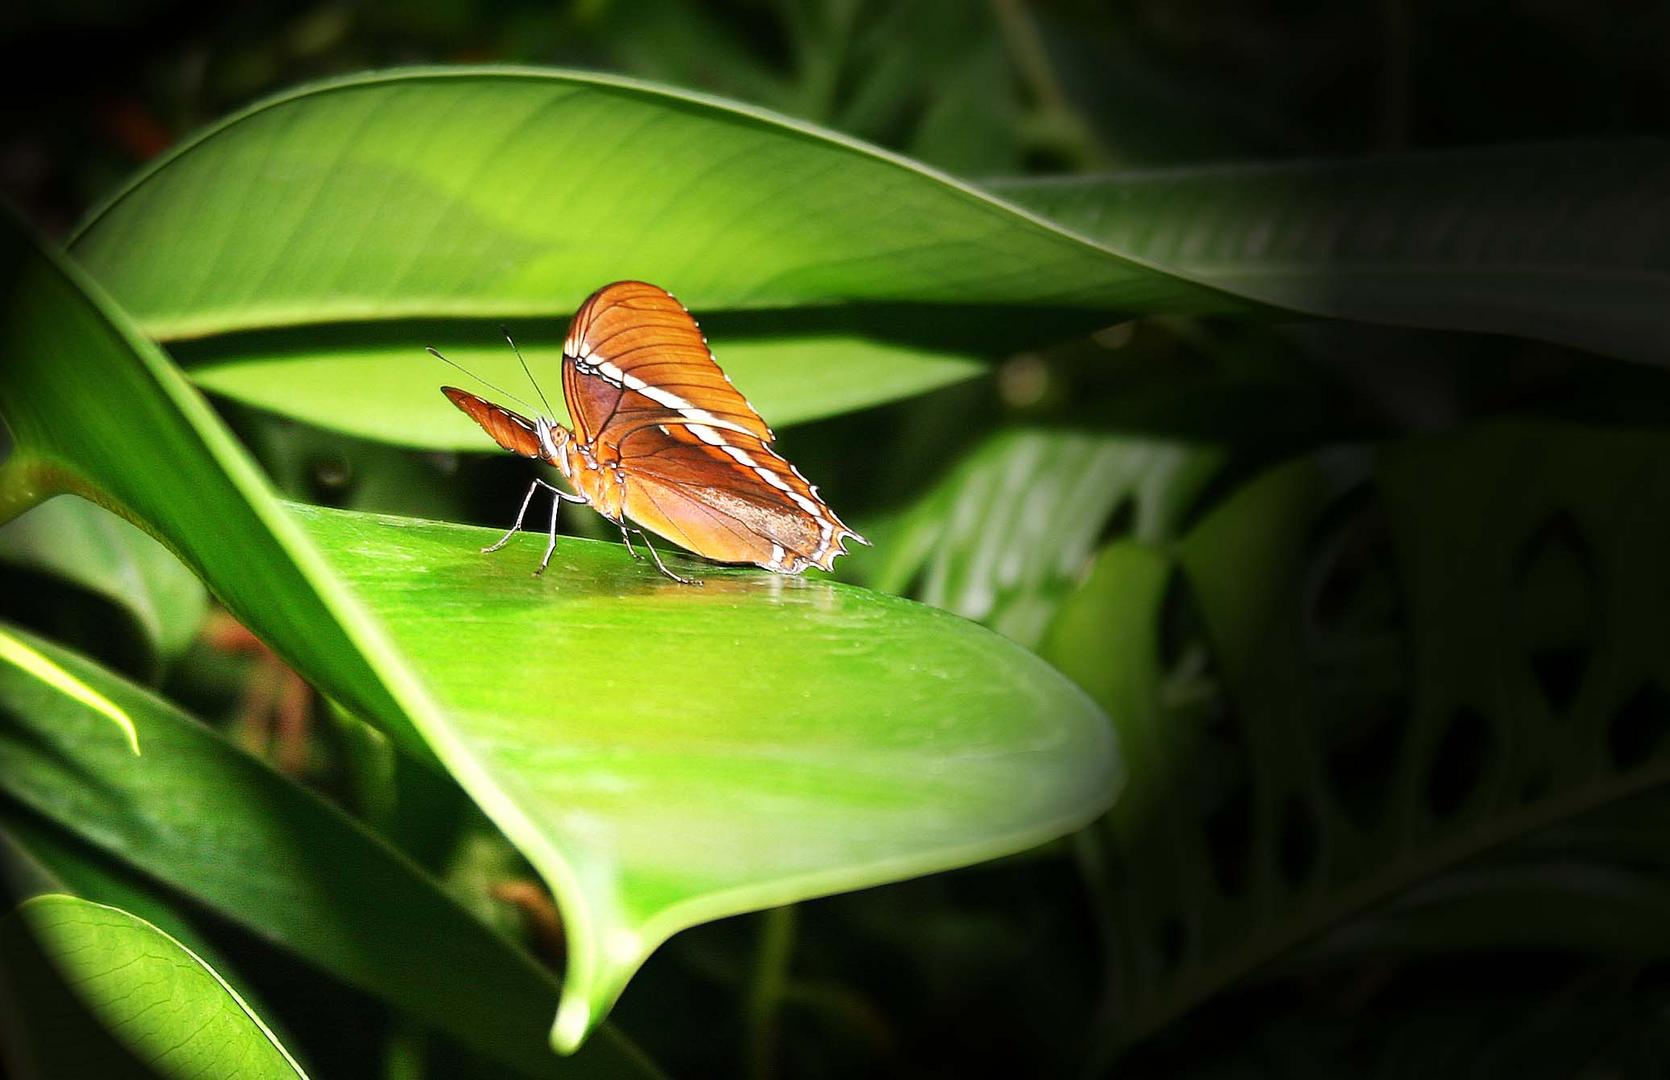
1380,639
1564,242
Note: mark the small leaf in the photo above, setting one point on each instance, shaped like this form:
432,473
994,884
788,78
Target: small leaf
175,1013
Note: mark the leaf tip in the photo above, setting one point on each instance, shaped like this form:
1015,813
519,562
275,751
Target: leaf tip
16,652
572,1025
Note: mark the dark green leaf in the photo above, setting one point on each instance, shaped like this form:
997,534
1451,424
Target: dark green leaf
1563,242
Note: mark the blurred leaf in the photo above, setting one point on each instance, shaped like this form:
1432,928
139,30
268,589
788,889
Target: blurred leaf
1561,242
457,193
1011,529
1535,1023
386,387
19,654
1364,684
227,830
176,1014
1573,903
100,552
663,755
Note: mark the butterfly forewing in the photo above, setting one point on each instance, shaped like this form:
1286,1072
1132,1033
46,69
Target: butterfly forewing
514,432
635,358
697,459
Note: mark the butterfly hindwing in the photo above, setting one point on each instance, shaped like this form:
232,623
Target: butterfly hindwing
729,485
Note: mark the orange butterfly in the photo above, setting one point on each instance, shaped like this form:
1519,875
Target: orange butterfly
663,439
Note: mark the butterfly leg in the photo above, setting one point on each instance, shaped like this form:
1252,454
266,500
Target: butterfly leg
556,504
624,535
560,496
661,566
514,529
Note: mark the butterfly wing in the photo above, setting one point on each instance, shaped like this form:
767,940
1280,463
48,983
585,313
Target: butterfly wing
512,431
697,459
634,358
729,497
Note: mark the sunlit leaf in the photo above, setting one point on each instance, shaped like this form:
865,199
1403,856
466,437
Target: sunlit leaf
336,218
1011,529
173,1011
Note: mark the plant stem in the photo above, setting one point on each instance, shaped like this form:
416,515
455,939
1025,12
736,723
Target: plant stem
765,992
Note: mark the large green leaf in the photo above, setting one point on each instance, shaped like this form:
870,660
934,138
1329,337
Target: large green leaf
1563,242
504,192
176,1014
1365,684
466,194
224,828
668,755
662,754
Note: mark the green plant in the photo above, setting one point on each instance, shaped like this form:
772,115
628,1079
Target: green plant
1143,517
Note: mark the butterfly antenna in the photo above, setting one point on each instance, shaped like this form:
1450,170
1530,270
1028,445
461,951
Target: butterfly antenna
436,353
506,332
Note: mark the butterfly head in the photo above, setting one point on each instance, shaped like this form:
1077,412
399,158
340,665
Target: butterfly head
554,440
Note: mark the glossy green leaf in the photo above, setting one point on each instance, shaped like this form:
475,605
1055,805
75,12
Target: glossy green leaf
95,409
508,192
829,274
226,829
95,549
1366,683
666,755
662,754
176,1014
1562,242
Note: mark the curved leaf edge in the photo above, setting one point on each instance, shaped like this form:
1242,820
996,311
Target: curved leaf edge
31,474
572,1019
31,911
602,960
739,112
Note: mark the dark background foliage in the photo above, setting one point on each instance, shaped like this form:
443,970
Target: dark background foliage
1005,966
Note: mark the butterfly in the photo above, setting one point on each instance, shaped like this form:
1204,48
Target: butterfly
663,440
